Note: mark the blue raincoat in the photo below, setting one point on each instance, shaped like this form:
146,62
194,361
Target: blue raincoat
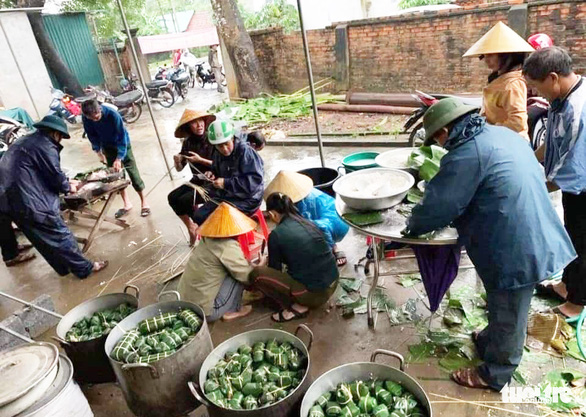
30,183
491,187
565,151
320,208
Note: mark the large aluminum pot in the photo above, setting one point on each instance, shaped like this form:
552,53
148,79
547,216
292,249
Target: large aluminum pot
365,371
288,406
159,389
389,195
90,363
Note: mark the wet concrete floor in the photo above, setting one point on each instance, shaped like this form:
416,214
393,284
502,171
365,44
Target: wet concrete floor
154,248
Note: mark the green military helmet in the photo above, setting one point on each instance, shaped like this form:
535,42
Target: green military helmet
220,132
442,114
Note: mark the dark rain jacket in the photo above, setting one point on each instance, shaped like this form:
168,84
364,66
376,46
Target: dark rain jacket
491,187
243,172
31,178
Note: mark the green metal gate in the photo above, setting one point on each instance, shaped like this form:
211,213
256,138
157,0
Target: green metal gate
71,36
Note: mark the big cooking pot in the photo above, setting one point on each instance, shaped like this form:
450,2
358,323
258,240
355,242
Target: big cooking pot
365,371
288,406
159,389
90,363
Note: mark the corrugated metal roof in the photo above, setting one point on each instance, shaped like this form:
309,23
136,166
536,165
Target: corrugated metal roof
72,39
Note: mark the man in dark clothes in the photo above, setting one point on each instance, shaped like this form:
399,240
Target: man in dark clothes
30,183
236,173
109,138
196,151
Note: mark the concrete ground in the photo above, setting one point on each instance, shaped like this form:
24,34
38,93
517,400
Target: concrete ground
154,248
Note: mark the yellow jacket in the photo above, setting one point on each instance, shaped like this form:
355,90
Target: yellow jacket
505,102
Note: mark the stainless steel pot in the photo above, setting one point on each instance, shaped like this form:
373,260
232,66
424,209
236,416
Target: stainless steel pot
159,389
90,363
288,406
385,200
365,371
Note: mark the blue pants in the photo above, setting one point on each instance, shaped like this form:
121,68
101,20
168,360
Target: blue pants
228,300
55,242
500,344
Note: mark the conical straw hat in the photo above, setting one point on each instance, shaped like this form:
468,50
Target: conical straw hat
226,221
189,115
499,40
294,185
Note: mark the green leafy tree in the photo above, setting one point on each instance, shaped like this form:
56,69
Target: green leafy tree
276,13
407,4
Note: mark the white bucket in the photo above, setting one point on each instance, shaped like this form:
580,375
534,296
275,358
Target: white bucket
63,398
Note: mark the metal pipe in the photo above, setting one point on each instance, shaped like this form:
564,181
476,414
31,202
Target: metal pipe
26,303
17,335
311,88
23,9
142,82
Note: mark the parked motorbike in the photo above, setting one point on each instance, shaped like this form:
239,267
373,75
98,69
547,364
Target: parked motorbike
206,76
180,79
159,91
10,130
536,110
65,106
128,104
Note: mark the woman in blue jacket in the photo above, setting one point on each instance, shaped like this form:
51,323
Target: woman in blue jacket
490,187
313,205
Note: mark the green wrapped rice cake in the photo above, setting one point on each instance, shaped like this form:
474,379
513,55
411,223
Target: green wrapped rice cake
255,376
373,398
99,324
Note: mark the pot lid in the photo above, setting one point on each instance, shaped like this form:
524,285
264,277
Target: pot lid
25,366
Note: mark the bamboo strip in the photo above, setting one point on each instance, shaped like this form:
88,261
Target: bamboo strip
479,404
142,247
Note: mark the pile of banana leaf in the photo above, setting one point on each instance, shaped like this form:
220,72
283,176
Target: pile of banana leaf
157,338
255,376
426,159
371,398
98,324
262,109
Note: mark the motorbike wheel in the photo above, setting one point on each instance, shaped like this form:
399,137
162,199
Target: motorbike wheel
191,81
200,82
133,113
417,136
224,82
167,98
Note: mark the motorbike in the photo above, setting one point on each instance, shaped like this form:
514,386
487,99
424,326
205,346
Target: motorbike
65,106
536,110
158,91
10,130
180,79
128,104
206,76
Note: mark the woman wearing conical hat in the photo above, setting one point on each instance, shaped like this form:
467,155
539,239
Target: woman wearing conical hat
313,205
196,151
505,96
217,271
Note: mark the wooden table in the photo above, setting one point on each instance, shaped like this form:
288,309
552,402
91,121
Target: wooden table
83,211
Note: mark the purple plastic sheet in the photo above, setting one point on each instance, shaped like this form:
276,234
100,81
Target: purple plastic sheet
438,266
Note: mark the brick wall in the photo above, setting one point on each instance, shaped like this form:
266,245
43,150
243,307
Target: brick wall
416,51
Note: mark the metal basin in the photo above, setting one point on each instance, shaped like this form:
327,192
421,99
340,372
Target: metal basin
388,196
397,159
159,389
365,371
288,406
90,363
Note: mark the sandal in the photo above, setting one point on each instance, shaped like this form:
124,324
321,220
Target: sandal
24,246
233,315
144,212
20,258
340,258
468,377
121,213
296,315
548,291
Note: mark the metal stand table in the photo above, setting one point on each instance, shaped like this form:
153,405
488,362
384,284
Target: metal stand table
83,211
390,231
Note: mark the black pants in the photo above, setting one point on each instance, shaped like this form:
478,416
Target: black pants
500,344
8,242
575,223
183,199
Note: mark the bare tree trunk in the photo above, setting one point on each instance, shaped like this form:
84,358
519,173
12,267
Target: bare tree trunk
249,75
48,51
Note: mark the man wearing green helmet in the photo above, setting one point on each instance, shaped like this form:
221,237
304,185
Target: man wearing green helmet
236,173
491,188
